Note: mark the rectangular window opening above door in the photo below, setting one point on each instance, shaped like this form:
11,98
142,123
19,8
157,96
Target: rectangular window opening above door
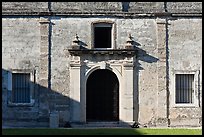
103,36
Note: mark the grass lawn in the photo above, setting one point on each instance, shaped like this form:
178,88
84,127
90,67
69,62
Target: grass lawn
101,131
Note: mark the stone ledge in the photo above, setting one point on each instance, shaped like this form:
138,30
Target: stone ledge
93,14
103,51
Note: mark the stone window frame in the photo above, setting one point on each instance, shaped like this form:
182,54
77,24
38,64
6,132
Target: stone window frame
195,101
113,33
10,86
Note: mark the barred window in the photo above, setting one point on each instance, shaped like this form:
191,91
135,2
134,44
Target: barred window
184,88
20,88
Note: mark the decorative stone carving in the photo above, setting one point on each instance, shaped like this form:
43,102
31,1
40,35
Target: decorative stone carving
129,42
103,65
75,43
84,61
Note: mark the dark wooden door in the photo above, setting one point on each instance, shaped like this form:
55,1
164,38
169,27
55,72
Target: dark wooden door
102,96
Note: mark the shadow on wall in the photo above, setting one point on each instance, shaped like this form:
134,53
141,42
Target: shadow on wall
46,103
43,102
141,55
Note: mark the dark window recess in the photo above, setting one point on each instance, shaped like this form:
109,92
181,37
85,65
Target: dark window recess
21,88
102,37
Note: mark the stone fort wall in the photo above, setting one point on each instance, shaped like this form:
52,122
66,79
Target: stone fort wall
36,36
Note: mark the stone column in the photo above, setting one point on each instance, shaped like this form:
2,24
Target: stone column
75,86
127,94
43,69
44,52
161,69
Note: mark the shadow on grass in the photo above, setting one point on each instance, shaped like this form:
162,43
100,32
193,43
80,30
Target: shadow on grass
62,131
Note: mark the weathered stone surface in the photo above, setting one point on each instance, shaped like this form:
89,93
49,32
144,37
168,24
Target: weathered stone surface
24,7
20,35
100,8
164,46
64,7
184,56
184,7
146,7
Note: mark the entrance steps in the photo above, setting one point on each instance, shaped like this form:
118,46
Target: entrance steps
101,125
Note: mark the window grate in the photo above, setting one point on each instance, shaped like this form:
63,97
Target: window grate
184,88
21,88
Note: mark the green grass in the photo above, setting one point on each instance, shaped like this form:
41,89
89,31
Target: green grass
101,131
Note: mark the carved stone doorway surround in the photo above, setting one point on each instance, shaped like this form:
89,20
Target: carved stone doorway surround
85,61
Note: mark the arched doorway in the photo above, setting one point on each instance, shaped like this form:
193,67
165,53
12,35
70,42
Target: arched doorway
102,96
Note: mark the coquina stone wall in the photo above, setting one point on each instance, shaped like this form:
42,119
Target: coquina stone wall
36,36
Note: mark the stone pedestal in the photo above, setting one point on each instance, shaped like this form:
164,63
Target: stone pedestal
54,120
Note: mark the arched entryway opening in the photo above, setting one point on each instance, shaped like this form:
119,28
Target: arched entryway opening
102,96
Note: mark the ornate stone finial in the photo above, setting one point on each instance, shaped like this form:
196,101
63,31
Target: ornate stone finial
129,42
76,39
75,42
